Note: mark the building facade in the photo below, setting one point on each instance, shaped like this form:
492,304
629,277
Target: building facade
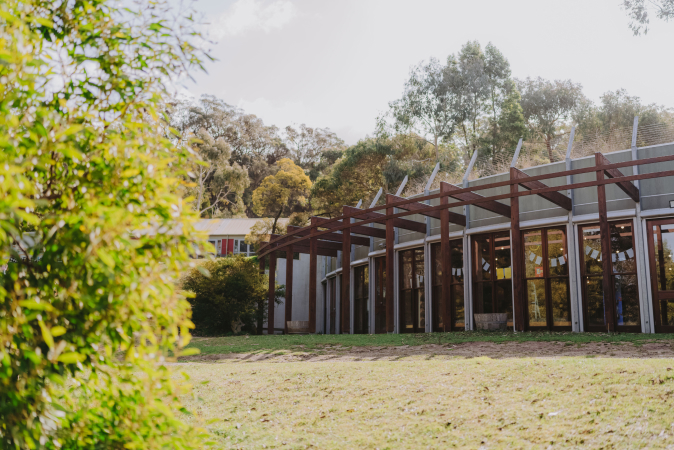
593,255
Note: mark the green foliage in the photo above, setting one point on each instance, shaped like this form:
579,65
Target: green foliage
284,192
228,292
369,165
91,314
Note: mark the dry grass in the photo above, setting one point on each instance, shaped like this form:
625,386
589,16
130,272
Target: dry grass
421,402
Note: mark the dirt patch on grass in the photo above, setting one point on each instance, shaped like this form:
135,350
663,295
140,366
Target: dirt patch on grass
462,350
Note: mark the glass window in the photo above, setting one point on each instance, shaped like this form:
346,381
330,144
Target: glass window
361,305
492,274
592,250
546,278
623,281
456,286
663,236
380,295
412,297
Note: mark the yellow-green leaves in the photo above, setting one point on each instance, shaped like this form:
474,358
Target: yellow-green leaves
46,334
71,358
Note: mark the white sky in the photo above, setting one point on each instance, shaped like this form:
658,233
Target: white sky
337,64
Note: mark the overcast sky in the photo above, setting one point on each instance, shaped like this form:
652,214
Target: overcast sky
336,64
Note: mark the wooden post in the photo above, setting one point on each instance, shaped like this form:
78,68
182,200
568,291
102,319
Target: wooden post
313,261
345,321
516,252
445,262
289,288
605,234
272,292
390,264
260,306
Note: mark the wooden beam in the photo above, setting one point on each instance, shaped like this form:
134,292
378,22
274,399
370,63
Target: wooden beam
517,253
345,321
289,288
397,222
493,206
626,186
390,264
313,281
327,245
260,305
355,229
412,206
271,293
455,218
605,236
557,198
306,249
445,256
334,237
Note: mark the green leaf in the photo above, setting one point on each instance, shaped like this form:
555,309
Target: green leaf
32,304
189,352
46,335
71,358
204,271
58,331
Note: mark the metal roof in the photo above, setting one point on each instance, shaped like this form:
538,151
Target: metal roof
239,227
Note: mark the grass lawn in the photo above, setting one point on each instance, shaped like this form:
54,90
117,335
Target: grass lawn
265,343
420,403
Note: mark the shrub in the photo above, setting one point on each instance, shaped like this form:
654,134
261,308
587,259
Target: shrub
89,315
228,292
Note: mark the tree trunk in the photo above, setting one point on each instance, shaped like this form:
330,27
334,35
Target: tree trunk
437,152
548,145
273,228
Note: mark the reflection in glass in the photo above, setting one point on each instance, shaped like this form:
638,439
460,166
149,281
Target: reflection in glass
413,304
456,261
482,260
380,295
626,300
595,301
622,248
559,291
406,309
592,250
456,279
459,310
557,257
406,269
537,303
502,256
533,254
663,236
361,305
504,299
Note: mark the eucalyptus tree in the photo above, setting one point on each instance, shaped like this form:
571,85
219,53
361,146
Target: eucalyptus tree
547,105
427,107
639,12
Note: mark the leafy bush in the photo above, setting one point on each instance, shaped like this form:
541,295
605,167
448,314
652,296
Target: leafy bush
89,315
228,292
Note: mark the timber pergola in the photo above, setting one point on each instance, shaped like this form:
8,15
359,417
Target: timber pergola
326,236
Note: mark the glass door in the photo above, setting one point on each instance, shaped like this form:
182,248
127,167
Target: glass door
492,274
380,295
546,279
412,301
660,249
361,304
456,296
624,295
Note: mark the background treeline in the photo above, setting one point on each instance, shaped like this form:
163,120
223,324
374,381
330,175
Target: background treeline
470,102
